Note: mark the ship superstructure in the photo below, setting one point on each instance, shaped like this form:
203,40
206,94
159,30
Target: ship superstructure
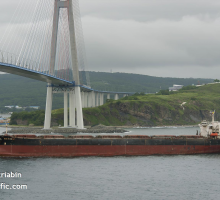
208,129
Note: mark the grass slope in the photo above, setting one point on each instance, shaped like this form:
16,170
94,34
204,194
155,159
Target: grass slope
154,109
17,90
148,110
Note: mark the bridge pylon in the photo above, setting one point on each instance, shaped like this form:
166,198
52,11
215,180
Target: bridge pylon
74,95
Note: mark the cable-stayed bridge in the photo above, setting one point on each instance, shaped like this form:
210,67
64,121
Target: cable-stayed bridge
28,69
48,46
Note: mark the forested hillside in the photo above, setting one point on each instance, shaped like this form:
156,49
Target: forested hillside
138,83
189,106
17,90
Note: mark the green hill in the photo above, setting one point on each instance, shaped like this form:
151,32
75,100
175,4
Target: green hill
188,106
138,83
153,109
17,90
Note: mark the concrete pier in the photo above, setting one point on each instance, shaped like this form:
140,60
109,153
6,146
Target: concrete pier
65,109
47,120
116,96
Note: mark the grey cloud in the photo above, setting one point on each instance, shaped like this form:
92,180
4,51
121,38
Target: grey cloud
148,10
153,37
163,43
160,37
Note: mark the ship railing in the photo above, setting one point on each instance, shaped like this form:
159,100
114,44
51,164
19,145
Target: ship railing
81,136
29,136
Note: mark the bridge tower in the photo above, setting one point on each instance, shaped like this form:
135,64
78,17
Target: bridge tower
74,95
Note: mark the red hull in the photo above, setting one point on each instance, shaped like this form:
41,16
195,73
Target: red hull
104,150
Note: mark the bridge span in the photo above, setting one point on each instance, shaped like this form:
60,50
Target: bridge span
89,97
52,52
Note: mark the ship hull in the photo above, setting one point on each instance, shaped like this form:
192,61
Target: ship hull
106,147
77,151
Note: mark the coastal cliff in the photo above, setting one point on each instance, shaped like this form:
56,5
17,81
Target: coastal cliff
189,106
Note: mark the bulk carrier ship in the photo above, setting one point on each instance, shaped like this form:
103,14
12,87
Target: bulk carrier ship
207,141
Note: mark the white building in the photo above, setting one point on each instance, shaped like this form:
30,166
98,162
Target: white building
175,87
13,106
34,107
9,106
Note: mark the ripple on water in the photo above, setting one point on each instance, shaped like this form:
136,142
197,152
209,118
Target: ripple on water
148,177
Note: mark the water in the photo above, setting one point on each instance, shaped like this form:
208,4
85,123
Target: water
148,177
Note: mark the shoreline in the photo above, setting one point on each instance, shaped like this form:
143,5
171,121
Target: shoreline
89,130
40,130
89,127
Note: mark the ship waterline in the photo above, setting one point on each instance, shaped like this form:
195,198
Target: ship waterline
53,146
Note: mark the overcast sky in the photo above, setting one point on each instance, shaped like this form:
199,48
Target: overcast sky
168,38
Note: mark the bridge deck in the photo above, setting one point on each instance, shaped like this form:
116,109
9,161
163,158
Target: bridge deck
29,73
40,76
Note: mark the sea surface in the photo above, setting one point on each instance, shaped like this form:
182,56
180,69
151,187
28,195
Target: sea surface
138,177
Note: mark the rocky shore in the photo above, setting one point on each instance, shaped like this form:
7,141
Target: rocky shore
95,129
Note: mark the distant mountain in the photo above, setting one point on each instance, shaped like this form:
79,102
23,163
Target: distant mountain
17,90
138,83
